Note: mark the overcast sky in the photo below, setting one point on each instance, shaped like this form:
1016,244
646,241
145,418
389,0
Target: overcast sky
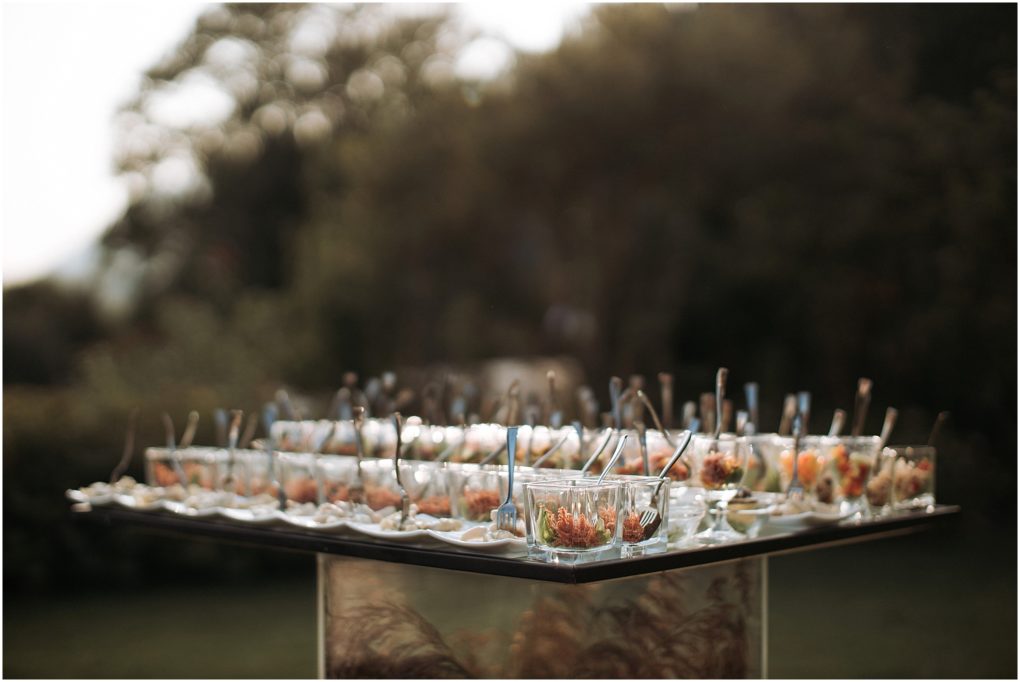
67,66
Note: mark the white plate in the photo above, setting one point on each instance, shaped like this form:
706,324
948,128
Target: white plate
184,510
309,523
373,530
800,519
808,518
130,502
76,495
248,517
504,546
822,518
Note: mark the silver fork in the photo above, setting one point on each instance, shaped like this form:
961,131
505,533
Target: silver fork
129,448
356,491
506,513
405,501
171,445
655,417
651,514
598,451
612,460
795,490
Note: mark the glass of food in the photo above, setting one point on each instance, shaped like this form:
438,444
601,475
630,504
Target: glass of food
601,441
762,472
567,454
810,467
337,474
250,473
878,490
719,465
478,441
644,514
571,517
308,435
428,486
342,440
298,477
201,466
476,490
851,460
380,438
913,475
380,484
428,441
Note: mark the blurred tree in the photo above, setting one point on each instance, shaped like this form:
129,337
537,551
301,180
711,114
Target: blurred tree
804,193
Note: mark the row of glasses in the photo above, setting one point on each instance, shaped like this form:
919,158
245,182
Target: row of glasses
421,441
846,472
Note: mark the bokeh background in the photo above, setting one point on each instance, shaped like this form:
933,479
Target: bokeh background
804,194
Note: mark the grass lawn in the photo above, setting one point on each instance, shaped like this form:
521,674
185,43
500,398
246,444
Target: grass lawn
262,631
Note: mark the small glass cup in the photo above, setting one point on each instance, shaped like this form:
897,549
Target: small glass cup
762,473
475,491
602,441
479,440
687,509
645,498
380,438
298,477
878,492
567,455
249,473
380,482
426,442
913,477
573,517
303,436
719,465
428,486
810,465
851,460
342,440
202,466
336,474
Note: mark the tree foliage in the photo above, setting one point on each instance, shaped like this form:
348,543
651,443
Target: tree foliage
806,194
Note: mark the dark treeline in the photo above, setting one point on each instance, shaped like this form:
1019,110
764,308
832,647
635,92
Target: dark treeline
805,194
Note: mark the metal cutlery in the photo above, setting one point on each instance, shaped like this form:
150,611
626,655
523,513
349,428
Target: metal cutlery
506,513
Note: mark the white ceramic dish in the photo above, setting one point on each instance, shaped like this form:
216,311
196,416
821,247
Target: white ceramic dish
248,517
131,502
309,522
504,546
373,530
76,495
184,510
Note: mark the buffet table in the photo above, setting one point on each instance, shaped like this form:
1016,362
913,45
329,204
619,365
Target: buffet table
388,609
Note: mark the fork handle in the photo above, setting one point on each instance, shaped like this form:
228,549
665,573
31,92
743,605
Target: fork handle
396,453
511,454
794,479
616,455
598,451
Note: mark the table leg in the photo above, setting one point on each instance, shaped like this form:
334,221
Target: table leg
380,619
